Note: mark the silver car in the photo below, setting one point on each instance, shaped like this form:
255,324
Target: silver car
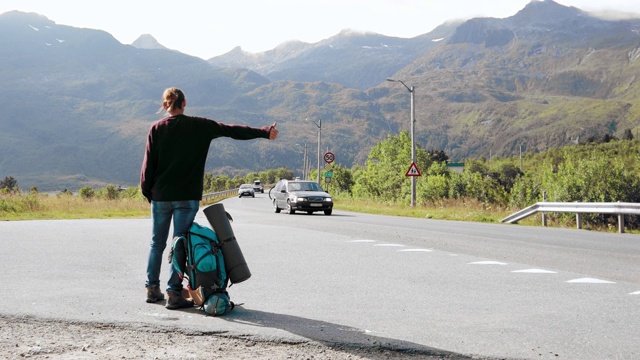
257,186
300,195
246,190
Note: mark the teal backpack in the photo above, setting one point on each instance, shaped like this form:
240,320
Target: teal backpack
197,256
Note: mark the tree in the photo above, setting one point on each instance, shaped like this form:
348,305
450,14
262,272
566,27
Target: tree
437,155
342,178
383,176
506,175
9,183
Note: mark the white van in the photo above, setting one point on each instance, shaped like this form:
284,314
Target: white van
257,186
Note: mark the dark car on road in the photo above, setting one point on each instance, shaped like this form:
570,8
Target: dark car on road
300,195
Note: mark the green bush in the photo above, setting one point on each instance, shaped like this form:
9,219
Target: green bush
435,187
8,205
133,192
525,191
86,192
109,192
19,203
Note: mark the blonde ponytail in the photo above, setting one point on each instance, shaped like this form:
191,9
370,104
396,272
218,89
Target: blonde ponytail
172,99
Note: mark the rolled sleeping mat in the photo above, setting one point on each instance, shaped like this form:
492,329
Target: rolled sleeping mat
235,265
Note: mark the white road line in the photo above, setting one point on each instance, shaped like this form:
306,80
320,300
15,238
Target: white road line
415,250
534,271
487,263
589,281
635,293
389,245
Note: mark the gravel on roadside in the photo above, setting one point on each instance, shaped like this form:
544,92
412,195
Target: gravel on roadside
28,337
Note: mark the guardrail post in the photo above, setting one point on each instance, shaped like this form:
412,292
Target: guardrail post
578,221
544,214
620,222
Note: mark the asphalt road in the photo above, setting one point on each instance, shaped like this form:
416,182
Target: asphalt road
488,290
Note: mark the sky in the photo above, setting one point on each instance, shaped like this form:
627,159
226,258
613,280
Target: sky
207,28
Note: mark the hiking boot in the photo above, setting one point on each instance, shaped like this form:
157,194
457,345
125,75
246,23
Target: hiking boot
177,301
154,294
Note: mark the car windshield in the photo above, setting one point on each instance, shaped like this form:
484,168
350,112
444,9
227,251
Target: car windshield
245,186
304,186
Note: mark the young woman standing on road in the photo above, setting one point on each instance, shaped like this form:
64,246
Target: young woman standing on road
172,178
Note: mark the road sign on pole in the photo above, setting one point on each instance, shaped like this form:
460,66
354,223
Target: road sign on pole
329,157
413,170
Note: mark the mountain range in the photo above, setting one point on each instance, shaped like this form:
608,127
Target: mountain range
77,103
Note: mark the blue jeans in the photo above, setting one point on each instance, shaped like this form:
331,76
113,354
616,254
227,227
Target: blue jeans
183,213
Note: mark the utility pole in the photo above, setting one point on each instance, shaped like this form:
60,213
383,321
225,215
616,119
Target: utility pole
319,125
413,141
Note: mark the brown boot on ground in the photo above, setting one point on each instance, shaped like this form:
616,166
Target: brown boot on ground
177,301
154,294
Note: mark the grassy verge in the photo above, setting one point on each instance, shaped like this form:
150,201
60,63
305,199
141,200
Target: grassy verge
460,209
42,206
56,207
51,207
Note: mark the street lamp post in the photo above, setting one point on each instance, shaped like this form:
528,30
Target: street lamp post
305,162
319,125
413,142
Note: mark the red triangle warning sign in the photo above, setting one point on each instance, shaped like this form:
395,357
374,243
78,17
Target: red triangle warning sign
413,170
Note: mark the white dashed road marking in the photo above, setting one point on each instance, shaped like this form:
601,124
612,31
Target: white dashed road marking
589,281
487,263
490,262
535,271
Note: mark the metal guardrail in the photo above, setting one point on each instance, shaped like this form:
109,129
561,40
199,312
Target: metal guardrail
230,192
616,208
220,193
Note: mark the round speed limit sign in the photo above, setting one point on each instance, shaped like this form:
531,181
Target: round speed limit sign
329,157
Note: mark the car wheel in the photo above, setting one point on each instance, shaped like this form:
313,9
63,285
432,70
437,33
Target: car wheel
328,212
289,209
253,196
239,196
276,209
310,212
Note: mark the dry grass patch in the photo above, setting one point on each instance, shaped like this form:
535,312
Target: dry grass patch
43,206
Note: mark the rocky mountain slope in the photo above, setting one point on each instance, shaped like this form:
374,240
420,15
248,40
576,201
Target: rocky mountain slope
77,103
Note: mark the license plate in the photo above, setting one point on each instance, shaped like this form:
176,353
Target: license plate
316,204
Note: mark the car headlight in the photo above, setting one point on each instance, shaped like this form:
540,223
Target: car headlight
328,199
298,199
